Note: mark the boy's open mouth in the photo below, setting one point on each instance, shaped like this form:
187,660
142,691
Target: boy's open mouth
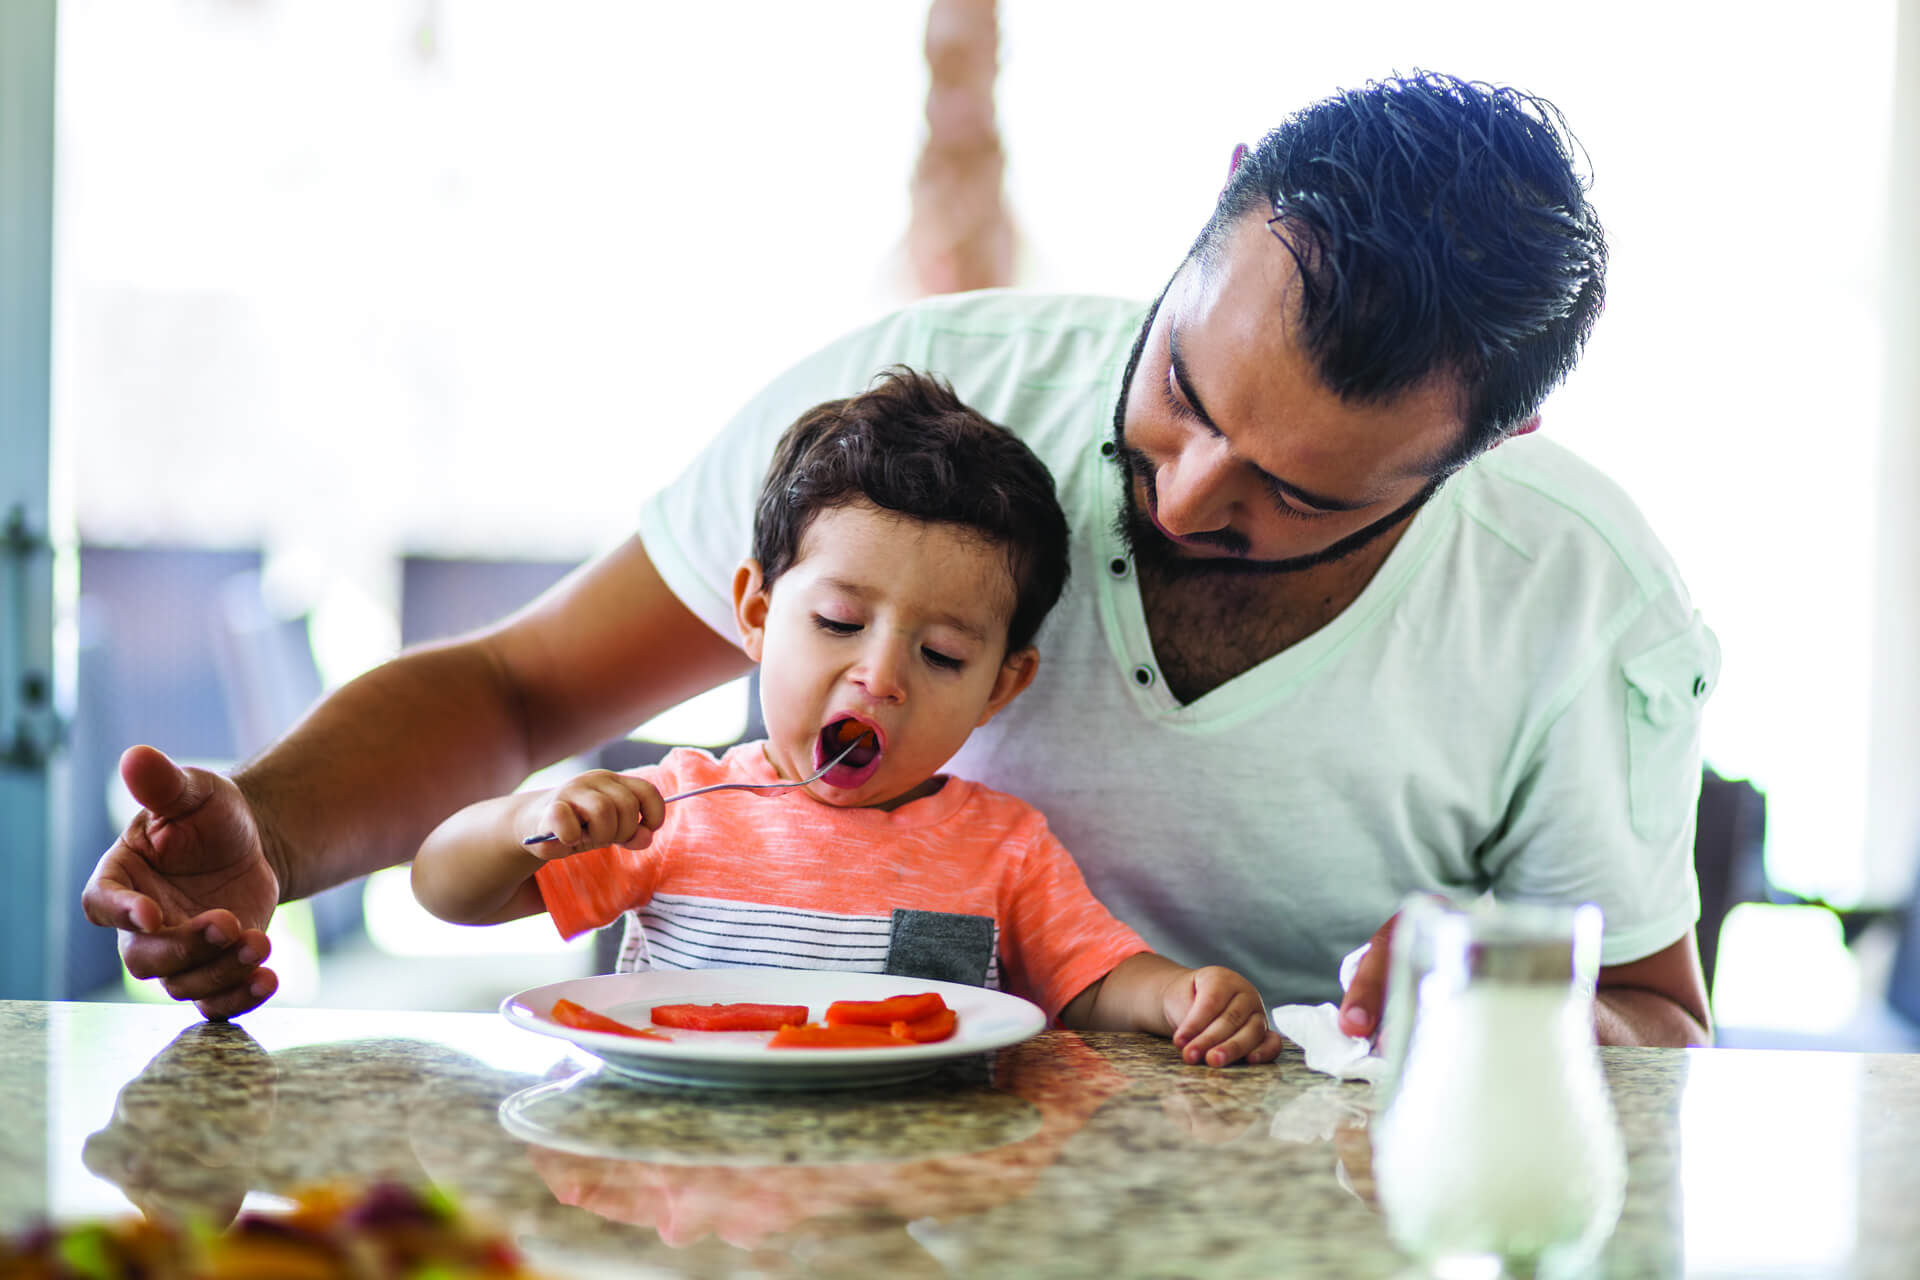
860,763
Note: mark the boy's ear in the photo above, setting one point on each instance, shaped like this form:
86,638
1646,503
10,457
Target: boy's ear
750,606
1015,674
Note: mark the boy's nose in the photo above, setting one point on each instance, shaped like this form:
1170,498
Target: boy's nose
881,673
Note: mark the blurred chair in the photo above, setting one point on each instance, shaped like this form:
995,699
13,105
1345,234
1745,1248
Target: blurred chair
266,664
442,597
1729,856
1903,981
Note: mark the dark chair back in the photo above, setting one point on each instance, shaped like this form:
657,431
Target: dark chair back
1729,856
1903,982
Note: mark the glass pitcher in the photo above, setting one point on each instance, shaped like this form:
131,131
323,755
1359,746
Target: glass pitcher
1497,1148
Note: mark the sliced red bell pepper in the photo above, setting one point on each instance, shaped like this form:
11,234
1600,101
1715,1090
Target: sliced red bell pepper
816,1035
569,1014
884,1013
729,1017
935,1026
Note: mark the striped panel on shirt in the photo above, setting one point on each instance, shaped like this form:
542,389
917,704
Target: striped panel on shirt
679,931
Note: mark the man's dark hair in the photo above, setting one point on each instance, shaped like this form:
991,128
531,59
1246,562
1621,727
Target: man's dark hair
909,445
1440,227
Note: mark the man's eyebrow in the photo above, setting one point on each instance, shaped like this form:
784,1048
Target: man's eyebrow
863,592
1284,487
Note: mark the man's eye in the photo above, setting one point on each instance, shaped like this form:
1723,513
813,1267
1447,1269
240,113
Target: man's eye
1179,407
943,660
833,626
1291,508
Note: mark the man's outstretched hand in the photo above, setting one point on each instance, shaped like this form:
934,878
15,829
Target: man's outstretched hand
188,887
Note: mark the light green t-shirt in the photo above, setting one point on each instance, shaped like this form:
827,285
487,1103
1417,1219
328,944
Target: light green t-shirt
1512,704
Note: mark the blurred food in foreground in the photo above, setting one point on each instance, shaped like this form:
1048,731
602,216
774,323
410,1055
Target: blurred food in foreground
383,1232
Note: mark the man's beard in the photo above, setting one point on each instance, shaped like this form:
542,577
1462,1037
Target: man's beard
1149,546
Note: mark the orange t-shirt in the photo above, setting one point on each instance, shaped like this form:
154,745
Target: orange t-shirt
780,880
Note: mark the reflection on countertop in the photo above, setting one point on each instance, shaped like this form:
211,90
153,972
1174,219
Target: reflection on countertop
1071,1154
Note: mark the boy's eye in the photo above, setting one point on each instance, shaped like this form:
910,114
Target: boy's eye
943,660
834,626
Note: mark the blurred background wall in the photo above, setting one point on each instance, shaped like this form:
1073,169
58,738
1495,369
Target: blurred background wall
369,319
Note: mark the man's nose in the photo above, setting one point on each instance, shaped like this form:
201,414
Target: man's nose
1193,492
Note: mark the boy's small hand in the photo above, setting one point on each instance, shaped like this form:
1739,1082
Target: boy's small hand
596,809
1218,1018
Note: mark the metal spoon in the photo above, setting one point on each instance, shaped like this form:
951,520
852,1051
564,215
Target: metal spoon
815,776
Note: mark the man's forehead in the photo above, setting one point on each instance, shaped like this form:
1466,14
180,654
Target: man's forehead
1234,321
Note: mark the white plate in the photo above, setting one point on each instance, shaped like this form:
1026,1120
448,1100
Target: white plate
741,1059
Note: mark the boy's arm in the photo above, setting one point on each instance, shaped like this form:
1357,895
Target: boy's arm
1212,1014
473,869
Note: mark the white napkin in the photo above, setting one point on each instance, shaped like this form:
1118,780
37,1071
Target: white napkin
1316,1029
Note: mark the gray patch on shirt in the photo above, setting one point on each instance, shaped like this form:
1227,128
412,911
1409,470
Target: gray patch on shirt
944,946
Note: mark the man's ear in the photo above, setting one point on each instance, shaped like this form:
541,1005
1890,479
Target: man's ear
1526,428
750,603
1233,165
1015,674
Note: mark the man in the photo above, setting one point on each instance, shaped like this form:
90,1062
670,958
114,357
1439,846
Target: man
1324,644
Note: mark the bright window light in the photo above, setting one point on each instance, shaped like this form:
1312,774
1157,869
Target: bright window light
1784,968
715,717
400,926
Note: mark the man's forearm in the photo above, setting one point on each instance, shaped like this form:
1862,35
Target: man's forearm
1633,1016
359,782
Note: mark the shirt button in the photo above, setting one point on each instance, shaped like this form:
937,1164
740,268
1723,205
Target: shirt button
1106,448
1117,566
1143,675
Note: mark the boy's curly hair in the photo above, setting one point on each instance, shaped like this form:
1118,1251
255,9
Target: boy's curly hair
909,445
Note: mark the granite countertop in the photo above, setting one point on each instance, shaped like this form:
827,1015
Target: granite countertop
1071,1154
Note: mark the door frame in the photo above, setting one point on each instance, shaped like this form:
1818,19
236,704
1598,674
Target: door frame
32,924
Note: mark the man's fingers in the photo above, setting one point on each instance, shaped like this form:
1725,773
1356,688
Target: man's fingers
162,787
235,1001
234,967
165,952
222,928
113,905
1360,1010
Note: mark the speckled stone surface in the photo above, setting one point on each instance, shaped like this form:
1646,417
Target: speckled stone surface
1070,1155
